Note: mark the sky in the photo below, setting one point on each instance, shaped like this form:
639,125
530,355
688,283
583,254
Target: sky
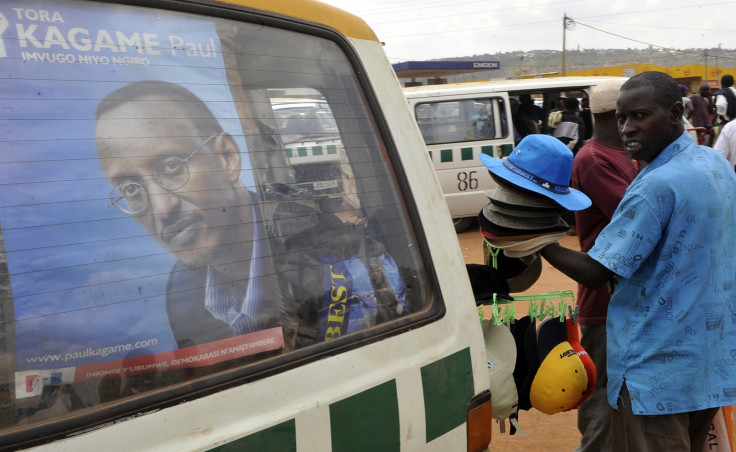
430,29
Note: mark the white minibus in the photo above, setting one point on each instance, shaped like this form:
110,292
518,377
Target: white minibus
183,269
459,121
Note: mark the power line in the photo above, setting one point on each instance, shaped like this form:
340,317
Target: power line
699,54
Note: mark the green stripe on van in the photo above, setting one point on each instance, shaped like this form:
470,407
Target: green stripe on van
445,155
487,150
316,150
367,422
466,153
301,151
331,149
281,437
447,386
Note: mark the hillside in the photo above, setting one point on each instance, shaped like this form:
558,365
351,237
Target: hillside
517,64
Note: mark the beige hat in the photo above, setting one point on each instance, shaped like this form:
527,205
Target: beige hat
603,96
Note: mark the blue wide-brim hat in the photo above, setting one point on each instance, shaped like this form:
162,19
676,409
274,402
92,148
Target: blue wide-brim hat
541,164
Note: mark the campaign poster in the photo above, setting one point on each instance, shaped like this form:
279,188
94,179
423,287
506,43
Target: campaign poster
88,283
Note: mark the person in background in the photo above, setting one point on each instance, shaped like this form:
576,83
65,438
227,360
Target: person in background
483,123
530,110
668,252
555,114
725,101
522,125
726,142
587,117
602,170
701,102
571,129
686,103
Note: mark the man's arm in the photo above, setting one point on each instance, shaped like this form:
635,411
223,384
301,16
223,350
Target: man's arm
577,265
721,106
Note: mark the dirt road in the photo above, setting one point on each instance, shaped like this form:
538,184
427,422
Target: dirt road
544,433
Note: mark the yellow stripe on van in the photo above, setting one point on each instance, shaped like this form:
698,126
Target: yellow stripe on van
314,11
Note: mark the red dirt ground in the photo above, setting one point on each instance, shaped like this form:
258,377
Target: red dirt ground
544,433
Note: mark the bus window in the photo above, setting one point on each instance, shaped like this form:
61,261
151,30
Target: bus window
462,120
172,217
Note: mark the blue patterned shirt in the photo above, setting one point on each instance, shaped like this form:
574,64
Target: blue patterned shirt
672,318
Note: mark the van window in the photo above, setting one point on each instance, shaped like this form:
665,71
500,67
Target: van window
462,120
183,205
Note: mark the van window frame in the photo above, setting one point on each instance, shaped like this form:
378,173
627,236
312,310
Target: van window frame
102,415
498,110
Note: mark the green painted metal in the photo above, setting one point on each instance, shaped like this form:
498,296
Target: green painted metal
281,437
466,153
367,422
445,155
447,386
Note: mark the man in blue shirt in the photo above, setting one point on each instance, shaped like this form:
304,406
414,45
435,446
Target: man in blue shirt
671,328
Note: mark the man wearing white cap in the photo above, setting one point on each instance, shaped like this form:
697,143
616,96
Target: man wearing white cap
603,171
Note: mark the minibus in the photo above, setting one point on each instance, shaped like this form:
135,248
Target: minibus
459,121
179,271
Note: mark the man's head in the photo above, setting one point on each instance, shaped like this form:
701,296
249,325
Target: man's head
173,168
683,89
571,104
649,114
526,99
514,104
727,81
705,90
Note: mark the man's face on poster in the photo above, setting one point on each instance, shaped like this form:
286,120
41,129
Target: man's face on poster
146,155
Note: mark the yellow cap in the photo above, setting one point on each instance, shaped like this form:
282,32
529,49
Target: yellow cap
560,381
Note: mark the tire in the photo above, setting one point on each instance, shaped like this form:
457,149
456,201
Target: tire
461,224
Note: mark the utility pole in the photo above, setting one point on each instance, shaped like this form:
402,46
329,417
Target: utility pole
564,28
567,24
705,79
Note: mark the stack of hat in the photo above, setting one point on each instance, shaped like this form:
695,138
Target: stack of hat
525,209
553,373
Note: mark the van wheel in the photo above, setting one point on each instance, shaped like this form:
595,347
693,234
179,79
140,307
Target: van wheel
461,224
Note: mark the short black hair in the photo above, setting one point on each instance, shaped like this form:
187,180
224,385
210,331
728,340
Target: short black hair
727,80
194,109
665,89
570,103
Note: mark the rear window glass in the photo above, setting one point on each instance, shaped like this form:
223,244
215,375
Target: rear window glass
182,195
462,120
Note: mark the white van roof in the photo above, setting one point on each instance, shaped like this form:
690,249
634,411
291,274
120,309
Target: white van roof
504,85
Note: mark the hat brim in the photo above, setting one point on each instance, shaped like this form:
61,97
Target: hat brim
573,200
524,280
519,274
493,228
510,238
522,223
